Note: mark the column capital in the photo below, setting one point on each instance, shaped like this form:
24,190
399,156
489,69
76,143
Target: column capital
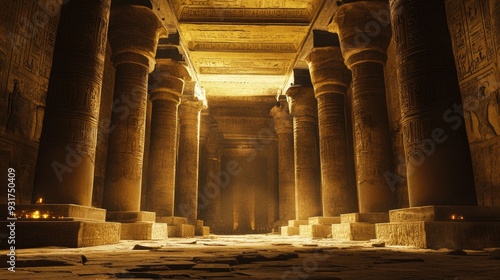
302,102
329,74
167,80
283,121
364,29
189,109
133,35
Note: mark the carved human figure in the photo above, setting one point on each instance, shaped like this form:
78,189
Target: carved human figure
19,112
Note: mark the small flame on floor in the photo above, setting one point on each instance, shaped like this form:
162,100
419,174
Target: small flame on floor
457,217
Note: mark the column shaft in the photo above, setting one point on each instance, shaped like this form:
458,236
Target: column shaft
331,78
167,84
134,44
439,169
373,140
283,125
162,159
306,153
364,37
65,166
186,192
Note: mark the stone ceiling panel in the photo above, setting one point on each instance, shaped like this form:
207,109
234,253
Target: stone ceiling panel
266,11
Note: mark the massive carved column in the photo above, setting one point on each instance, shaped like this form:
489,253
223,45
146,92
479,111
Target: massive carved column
133,34
186,192
307,189
331,79
210,192
65,166
439,169
364,41
283,125
167,85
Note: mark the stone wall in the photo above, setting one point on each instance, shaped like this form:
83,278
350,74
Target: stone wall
27,37
472,34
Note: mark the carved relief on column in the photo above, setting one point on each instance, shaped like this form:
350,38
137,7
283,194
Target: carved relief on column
167,84
133,34
65,166
495,20
364,37
331,78
283,125
186,192
438,164
303,107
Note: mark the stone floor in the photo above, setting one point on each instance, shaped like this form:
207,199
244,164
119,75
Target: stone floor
252,257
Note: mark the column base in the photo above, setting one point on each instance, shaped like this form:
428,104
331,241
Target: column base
358,226
201,230
178,226
318,227
64,233
293,227
65,225
144,231
433,227
138,225
130,216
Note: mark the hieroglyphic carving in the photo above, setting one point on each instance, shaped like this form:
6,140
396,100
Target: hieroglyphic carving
227,14
471,31
230,46
31,42
470,27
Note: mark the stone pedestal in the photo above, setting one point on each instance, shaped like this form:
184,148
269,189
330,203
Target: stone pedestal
200,229
133,35
438,162
318,227
331,78
283,125
66,225
186,191
138,225
454,227
358,226
293,227
178,226
167,84
66,158
306,153
364,52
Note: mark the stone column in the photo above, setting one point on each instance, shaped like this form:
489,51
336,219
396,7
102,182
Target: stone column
133,35
167,84
66,158
438,163
210,193
307,186
364,40
186,192
205,118
283,125
331,79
